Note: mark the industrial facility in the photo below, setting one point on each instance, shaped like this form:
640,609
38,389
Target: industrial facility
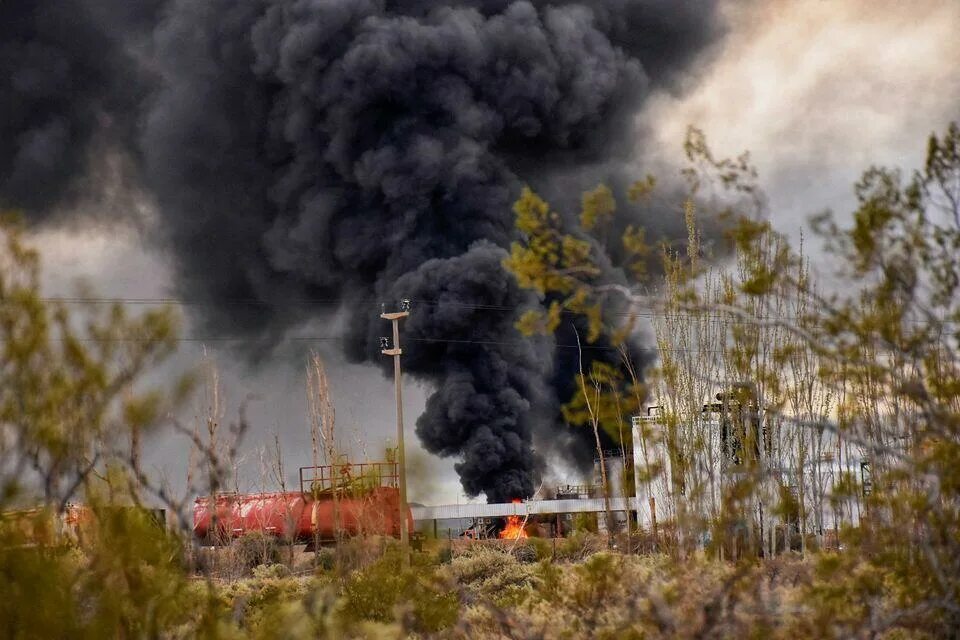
646,490
662,475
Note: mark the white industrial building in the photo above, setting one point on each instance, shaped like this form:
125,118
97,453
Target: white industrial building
719,447
804,468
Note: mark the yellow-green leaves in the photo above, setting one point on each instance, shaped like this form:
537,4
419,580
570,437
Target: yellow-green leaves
534,218
642,188
560,262
638,252
612,399
540,322
539,261
598,208
65,375
69,402
143,410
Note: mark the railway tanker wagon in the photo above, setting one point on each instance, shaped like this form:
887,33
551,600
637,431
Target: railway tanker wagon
342,499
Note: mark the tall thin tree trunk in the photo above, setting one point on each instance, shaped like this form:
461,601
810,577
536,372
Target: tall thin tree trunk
595,422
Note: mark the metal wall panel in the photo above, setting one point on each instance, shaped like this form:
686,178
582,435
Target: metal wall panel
533,507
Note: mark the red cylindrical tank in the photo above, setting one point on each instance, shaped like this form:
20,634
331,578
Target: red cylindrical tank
299,516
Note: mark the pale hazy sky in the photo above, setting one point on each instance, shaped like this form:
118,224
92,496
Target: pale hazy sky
816,89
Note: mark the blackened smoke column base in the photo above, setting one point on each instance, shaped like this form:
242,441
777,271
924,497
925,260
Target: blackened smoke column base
488,380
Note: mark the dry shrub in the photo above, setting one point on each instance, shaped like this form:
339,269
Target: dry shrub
383,592
639,542
579,546
360,552
525,552
492,574
478,562
270,571
609,595
237,559
444,555
325,560
254,600
256,548
486,592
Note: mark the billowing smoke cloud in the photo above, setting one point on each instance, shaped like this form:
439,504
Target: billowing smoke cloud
370,149
489,381
67,77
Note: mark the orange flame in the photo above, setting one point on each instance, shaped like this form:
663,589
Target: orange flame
514,529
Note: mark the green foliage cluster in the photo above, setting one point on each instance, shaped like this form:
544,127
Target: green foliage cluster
128,578
377,592
560,263
62,379
71,416
611,396
254,549
492,575
254,604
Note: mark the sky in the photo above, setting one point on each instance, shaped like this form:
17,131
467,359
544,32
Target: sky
816,90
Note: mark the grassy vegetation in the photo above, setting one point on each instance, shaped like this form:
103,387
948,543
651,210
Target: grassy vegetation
486,591
142,585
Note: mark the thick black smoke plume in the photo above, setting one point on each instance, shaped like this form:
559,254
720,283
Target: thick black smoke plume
371,149
68,75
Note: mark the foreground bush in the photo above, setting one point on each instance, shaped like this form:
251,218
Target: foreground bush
131,577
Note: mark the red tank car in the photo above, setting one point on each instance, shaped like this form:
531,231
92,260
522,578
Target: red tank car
363,503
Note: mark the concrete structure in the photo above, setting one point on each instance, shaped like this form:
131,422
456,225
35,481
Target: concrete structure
723,443
533,507
652,472
727,441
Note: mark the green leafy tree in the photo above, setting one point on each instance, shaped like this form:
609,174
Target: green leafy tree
66,382
72,416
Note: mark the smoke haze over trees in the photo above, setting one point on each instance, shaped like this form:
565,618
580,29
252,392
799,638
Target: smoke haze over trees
350,150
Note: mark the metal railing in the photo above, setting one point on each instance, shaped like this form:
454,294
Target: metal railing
582,491
348,477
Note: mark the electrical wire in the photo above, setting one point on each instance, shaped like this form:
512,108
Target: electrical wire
647,314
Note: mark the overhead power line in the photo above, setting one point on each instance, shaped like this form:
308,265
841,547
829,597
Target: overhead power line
310,339
252,302
321,302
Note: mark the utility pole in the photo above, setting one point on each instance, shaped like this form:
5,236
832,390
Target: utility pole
395,351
